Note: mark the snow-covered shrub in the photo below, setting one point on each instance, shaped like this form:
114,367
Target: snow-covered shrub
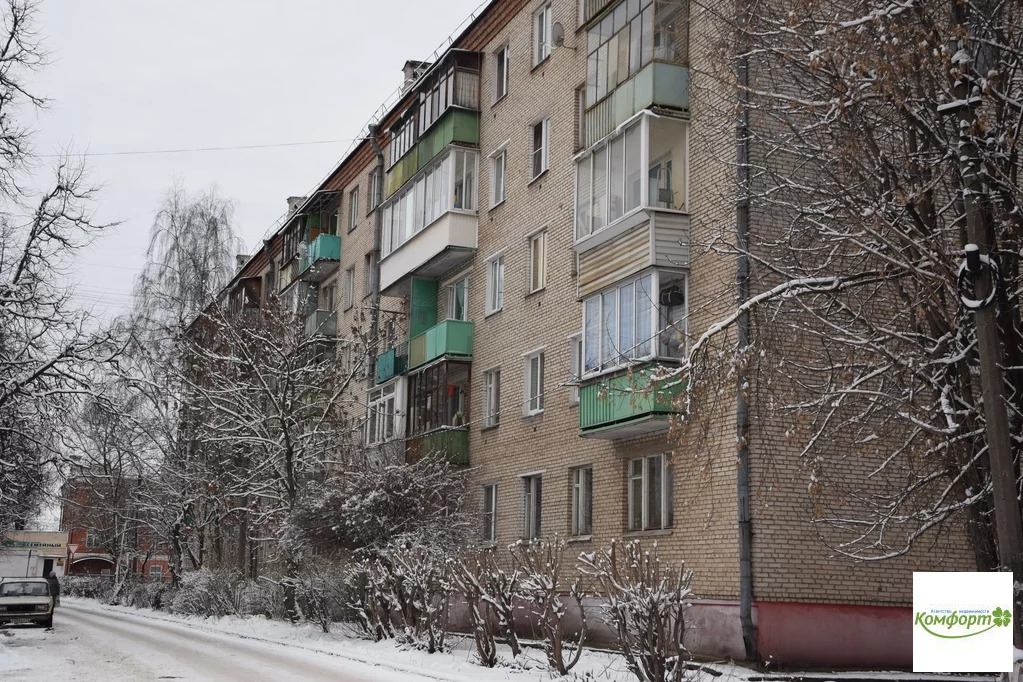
645,606
490,593
260,598
544,586
91,587
145,595
322,597
205,593
416,582
367,601
370,509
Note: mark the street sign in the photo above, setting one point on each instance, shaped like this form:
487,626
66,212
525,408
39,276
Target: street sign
72,549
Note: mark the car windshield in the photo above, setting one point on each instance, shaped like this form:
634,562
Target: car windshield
25,589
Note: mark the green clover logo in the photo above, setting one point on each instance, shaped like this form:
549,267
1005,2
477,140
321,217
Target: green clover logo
1002,616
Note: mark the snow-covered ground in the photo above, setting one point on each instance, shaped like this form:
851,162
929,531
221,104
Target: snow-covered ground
91,641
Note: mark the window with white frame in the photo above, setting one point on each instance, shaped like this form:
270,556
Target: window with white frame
490,512
635,319
542,34
532,501
582,501
381,408
495,284
458,299
651,489
498,176
538,261
447,184
156,571
575,367
611,181
349,287
539,150
369,268
533,402
502,62
492,397
374,198
353,209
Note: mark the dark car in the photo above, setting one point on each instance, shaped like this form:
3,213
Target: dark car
26,600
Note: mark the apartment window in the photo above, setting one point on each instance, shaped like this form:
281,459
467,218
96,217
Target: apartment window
582,501
349,288
353,209
332,221
403,135
538,261
651,488
156,571
542,34
455,87
611,183
502,60
458,299
375,194
534,383
492,397
447,184
369,266
381,409
495,284
575,367
539,152
490,512
532,500
498,177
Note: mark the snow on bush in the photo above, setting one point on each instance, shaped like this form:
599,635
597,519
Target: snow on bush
372,509
543,586
322,597
146,595
206,593
416,582
490,595
91,587
645,605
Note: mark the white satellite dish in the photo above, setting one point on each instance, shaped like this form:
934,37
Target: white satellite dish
558,34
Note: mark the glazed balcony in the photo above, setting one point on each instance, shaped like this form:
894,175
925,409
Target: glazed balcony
638,56
450,339
321,323
322,259
626,405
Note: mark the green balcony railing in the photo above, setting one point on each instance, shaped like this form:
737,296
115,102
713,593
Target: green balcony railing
450,338
322,258
391,364
628,404
452,444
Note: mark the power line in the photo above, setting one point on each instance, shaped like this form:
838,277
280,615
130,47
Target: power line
142,152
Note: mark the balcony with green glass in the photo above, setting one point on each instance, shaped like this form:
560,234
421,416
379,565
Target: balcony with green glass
391,363
322,259
449,443
451,339
638,57
627,405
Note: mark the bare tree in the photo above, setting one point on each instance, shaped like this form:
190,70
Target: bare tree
48,348
870,134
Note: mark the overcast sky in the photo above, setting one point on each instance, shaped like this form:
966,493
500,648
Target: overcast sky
141,75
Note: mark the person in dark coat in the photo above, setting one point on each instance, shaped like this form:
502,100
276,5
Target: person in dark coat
54,587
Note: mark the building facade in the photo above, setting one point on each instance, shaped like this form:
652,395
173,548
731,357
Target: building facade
511,253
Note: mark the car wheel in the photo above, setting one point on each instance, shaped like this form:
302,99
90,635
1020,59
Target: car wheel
48,623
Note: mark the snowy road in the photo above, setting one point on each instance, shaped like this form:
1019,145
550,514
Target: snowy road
89,644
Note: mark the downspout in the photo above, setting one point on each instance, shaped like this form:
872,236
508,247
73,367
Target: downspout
742,277
378,222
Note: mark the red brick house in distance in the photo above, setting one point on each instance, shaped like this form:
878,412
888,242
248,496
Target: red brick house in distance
100,536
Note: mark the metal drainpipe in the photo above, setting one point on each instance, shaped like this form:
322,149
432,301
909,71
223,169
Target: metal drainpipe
378,222
742,276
